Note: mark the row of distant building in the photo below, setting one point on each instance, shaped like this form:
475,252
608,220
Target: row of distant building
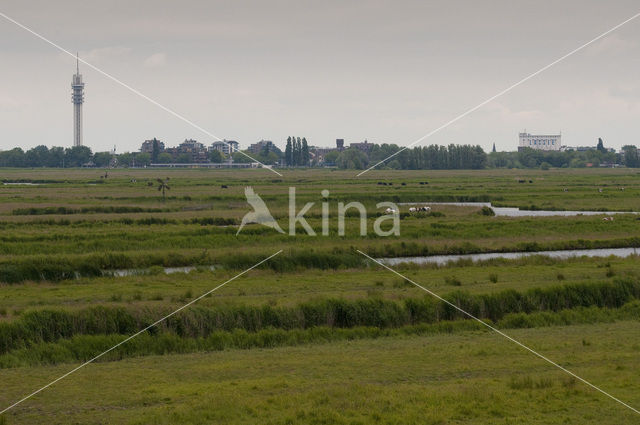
199,153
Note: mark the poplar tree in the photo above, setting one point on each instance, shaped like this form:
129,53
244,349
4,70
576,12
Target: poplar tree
288,153
297,152
305,152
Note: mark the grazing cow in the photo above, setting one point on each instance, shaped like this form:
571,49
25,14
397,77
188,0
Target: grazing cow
390,211
413,209
607,219
425,209
223,186
600,190
521,181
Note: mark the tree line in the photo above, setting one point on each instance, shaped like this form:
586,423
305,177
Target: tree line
41,156
298,154
452,157
455,157
530,158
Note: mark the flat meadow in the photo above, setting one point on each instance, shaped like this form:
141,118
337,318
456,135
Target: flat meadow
319,333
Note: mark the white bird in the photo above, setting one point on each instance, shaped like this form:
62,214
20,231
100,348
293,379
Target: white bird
260,213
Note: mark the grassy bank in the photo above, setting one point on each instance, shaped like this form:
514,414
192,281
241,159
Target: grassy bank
468,377
80,348
46,325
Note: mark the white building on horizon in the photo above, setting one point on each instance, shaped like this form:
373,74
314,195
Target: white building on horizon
225,146
543,142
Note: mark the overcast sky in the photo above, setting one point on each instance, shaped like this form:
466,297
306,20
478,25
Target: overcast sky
386,71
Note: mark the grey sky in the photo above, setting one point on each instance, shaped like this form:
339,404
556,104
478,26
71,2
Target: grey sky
381,70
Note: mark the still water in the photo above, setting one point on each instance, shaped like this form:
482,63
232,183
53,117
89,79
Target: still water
564,254
517,212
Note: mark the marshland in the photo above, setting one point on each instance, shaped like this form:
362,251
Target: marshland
291,338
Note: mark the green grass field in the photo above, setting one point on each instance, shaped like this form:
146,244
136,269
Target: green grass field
318,334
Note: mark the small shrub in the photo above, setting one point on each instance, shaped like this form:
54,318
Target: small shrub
524,383
488,211
403,283
560,276
155,270
493,278
610,272
528,383
544,383
452,280
374,293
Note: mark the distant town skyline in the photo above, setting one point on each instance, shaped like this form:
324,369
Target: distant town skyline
380,71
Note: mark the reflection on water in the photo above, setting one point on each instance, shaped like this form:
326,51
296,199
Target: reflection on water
21,184
444,259
517,212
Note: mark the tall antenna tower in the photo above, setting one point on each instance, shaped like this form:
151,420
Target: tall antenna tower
77,97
